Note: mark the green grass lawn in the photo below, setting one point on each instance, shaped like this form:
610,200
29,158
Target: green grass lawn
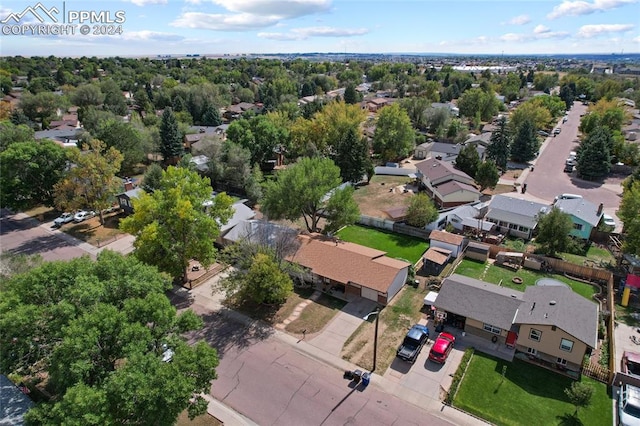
503,276
527,395
396,245
595,254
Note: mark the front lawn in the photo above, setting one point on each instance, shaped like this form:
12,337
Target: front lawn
498,275
526,395
395,245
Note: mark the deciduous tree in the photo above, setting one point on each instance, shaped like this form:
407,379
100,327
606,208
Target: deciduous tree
553,232
300,190
629,208
579,394
394,137
29,172
341,209
172,225
91,181
421,211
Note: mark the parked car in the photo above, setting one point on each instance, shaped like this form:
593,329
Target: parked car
629,406
62,219
609,221
631,363
567,197
83,215
442,347
413,342
556,131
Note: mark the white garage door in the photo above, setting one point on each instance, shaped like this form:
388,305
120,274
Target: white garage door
369,294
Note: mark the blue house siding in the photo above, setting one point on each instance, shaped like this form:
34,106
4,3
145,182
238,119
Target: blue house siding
581,229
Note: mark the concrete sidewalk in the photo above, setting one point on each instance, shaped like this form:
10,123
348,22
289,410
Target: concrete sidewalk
325,350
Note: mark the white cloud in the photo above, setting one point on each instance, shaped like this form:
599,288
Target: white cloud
304,33
250,14
512,37
581,7
541,29
146,35
636,39
220,22
147,2
520,20
588,31
552,34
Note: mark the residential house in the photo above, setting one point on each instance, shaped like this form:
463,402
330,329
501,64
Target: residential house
201,163
234,112
584,215
517,217
260,232
375,104
448,186
14,403
446,240
197,133
125,199
241,212
449,106
550,325
350,269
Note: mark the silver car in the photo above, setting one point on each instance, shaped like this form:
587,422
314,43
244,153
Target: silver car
83,215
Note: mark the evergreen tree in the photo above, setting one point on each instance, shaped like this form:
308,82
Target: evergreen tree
350,95
525,143
468,159
594,159
499,148
487,175
211,116
352,154
170,139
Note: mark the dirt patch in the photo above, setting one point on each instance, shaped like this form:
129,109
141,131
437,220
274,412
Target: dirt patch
383,193
92,232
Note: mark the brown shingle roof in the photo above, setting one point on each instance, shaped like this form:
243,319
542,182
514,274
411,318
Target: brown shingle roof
347,262
434,255
446,237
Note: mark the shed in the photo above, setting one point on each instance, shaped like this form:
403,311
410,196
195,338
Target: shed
477,251
510,259
435,259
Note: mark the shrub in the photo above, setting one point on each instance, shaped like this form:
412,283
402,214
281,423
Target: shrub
459,374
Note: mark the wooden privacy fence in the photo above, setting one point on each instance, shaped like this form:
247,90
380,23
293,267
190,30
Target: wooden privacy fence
597,372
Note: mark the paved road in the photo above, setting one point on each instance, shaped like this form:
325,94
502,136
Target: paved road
24,235
272,383
548,178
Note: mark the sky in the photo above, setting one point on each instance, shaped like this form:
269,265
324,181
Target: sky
211,27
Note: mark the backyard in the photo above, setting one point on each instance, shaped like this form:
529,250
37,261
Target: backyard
516,393
492,273
382,193
395,245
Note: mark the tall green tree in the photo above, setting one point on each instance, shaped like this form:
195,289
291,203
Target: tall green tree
553,232
352,155
300,190
525,142
97,329
91,182
629,208
468,159
594,158
152,178
172,225
29,172
211,116
487,175
88,95
171,146
421,211
499,148
394,137
341,209
126,139
350,95
10,133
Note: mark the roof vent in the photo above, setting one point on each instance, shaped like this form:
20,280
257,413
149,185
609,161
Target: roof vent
553,302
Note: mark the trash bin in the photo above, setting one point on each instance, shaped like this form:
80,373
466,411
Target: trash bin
366,377
357,375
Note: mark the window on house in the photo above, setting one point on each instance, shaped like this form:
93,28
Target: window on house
561,361
513,226
523,229
535,334
532,351
491,329
577,226
566,345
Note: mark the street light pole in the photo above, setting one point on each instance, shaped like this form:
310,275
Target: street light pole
375,336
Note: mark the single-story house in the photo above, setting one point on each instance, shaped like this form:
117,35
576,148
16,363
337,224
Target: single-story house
515,216
350,269
584,215
455,217
241,212
260,232
548,324
446,240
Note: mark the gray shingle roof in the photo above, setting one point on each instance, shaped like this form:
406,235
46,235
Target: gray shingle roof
13,403
570,312
515,210
479,300
580,208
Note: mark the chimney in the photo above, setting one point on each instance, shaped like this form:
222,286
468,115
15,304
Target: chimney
600,208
